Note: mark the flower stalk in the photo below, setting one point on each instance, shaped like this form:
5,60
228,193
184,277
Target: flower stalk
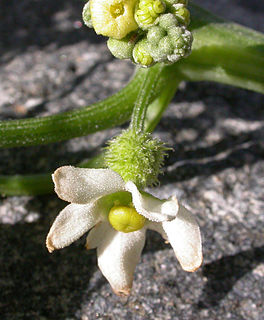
143,100
222,51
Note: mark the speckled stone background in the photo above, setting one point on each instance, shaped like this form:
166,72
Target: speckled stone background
49,63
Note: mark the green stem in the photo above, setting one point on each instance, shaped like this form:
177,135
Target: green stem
24,185
222,52
102,115
145,94
39,184
158,106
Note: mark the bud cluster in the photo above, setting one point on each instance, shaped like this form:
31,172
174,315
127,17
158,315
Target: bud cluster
144,31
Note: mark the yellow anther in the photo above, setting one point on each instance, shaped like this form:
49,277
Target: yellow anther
125,219
117,9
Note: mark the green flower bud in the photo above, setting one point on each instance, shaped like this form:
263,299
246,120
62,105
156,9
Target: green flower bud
125,219
86,15
175,34
182,13
156,53
147,12
168,20
182,46
172,42
136,157
122,49
165,46
141,53
155,34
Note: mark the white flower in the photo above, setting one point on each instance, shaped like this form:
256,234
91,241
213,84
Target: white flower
92,193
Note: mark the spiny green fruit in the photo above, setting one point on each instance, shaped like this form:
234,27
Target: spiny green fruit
136,157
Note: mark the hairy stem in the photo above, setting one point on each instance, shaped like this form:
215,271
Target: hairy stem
145,94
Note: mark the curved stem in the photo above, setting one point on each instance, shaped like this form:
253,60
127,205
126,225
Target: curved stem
39,184
158,106
66,125
146,92
222,52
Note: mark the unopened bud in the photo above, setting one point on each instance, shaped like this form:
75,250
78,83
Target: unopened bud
122,49
141,53
148,11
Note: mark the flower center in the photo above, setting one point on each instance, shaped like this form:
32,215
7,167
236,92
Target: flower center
125,219
117,9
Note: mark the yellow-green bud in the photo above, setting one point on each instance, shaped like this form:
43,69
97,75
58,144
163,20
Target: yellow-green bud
141,54
125,219
155,34
170,3
168,20
168,40
113,18
122,49
165,46
148,11
181,13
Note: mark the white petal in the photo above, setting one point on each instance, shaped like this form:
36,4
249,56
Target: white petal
96,235
184,235
81,185
152,208
118,255
157,226
72,222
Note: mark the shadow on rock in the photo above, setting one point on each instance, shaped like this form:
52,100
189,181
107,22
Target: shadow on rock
254,6
34,283
225,272
230,152
29,23
42,159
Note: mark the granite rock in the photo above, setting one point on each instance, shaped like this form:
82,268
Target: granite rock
50,62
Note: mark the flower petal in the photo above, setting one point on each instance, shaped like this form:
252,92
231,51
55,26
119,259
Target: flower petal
157,226
96,235
81,185
72,222
184,236
152,208
118,255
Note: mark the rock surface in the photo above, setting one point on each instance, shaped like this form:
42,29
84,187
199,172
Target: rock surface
49,63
